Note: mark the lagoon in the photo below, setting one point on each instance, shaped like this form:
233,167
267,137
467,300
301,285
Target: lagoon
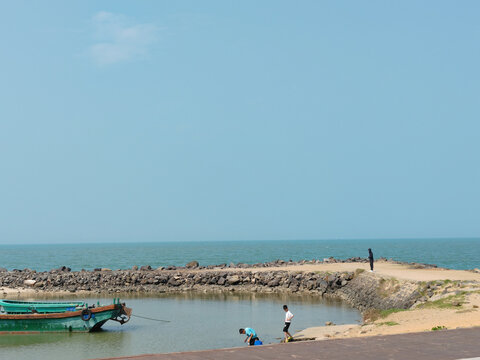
197,322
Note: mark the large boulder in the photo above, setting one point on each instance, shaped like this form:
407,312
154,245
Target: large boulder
64,269
331,279
233,279
274,282
192,265
294,284
174,282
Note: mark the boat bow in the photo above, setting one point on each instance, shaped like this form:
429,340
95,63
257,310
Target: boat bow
124,314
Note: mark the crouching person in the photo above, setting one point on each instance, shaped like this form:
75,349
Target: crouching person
251,335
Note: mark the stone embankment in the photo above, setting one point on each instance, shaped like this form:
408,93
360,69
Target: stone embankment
361,289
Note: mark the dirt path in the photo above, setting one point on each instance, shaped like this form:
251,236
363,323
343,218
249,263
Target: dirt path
398,271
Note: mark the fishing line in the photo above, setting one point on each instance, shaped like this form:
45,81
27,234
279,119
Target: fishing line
148,318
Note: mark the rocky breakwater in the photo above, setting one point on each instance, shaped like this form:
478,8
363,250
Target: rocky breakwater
147,280
369,291
361,289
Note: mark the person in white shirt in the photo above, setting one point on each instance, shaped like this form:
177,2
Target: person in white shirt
288,320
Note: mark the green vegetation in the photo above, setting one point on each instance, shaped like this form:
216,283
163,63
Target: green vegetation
385,313
422,288
375,314
449,302
439,327
448,282
388,323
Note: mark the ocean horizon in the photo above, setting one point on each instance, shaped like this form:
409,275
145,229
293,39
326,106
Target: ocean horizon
451,253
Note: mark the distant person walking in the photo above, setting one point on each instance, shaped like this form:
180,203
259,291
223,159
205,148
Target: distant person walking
370,258
288,320
251,335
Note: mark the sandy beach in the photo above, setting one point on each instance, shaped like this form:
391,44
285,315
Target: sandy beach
409,321
455,303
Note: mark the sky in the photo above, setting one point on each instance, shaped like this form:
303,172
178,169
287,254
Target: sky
238,120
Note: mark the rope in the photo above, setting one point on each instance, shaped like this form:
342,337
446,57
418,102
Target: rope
147,318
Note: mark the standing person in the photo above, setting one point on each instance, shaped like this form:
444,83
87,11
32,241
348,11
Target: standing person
370,258
251,335
288,320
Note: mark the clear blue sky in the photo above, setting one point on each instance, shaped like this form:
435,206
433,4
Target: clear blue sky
231,120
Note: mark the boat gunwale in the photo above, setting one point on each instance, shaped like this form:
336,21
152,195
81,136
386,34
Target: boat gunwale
22,302
63,315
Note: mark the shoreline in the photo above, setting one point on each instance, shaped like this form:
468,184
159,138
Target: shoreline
396,298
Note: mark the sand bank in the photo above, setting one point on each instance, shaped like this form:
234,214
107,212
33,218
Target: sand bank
388,269
454,306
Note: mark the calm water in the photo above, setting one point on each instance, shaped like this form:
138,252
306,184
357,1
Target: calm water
451,253
197,322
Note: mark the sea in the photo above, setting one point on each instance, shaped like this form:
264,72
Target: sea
449,253
194,321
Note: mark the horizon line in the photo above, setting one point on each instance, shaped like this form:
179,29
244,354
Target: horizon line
108,242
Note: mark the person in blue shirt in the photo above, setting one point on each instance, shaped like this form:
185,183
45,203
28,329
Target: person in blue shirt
251,335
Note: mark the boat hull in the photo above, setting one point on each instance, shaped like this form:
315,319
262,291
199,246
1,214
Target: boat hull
74,321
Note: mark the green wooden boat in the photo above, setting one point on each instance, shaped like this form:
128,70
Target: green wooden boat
68,319
26,307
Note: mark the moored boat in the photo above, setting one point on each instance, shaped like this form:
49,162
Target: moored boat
41,307
68,316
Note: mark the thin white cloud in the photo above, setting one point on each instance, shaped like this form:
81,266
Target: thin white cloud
118,40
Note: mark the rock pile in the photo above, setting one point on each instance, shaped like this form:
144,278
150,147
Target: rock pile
157,281
362,290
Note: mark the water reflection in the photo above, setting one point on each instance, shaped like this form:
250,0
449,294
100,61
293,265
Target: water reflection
52,338
189,295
